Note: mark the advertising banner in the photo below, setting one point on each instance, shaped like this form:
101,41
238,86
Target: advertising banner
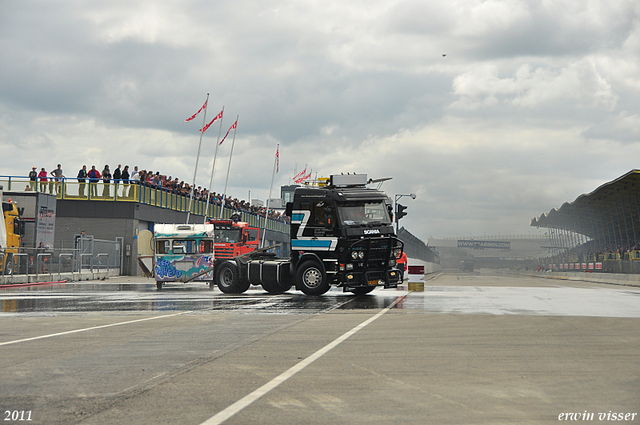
484,244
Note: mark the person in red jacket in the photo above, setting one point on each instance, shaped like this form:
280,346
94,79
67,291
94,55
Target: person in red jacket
402,264
94,177
42,176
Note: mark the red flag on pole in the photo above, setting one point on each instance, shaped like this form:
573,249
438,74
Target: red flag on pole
233,127
217,117
303,177
278,159
300,174
199,110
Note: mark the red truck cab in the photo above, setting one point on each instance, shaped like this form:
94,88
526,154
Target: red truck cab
234,238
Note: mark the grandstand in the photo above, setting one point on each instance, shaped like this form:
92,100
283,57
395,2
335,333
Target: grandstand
599,231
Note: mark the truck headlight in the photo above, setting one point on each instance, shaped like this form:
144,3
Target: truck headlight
397,252
354,255
361,254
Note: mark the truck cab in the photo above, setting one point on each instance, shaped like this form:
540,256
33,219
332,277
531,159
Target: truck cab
234,238
11,234
344,232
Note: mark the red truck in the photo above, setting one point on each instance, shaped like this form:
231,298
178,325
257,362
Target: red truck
234,238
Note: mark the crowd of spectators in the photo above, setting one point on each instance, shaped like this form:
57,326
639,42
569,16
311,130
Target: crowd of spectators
595,250
155,179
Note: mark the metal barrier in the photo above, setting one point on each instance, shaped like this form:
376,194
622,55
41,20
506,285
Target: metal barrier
103,254
68,254
82,261
37,265
43,256
13,263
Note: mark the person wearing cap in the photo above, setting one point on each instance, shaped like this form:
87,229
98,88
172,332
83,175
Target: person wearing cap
33,175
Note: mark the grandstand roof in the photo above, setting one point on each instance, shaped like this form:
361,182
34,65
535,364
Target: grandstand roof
610,212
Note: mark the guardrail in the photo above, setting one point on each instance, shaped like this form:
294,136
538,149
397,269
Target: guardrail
69,189
41,266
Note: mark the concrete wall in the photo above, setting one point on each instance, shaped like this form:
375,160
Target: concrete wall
109,220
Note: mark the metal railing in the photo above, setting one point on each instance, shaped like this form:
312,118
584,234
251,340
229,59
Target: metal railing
69,189
50,263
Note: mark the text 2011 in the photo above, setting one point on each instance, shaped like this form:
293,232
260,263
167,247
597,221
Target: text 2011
17,415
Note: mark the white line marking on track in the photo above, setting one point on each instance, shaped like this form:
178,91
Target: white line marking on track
247,400
91,328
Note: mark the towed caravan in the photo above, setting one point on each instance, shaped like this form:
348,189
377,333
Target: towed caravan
183,252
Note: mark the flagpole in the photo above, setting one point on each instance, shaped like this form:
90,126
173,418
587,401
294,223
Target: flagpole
233,142
266,213
213,167
195,170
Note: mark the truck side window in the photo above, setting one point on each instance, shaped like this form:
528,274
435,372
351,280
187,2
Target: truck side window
206,247
317,216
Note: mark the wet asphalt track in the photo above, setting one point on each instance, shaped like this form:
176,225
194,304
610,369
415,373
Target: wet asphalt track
472,348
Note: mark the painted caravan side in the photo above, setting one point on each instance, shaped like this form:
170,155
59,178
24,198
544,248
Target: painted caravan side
183,251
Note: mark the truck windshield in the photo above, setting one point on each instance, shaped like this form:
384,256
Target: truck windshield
374,213
227,234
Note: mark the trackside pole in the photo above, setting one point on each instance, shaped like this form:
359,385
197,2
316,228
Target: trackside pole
213,167
233,142
266,213
195,170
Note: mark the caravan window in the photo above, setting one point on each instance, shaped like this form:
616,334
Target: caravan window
183,247
162,246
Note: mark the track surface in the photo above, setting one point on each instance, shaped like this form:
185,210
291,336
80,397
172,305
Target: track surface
472,348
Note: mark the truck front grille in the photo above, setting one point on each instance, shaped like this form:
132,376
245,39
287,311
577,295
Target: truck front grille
377,252
223,252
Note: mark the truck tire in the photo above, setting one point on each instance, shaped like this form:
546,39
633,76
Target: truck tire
275,288
363,290
228,280
311,279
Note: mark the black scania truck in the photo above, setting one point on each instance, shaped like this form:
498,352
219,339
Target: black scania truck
341,235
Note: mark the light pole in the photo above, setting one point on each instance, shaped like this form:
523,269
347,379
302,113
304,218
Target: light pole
395,207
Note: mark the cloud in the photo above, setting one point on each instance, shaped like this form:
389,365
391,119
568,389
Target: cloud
578,84
532,105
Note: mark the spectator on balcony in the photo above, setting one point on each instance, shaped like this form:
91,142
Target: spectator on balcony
33,178
135,179
94,177
58,177
82,178
106,179
42,176
117,175
125,180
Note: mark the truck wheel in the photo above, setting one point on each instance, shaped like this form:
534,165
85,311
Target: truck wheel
311,278
275,288
363,291
243,286
227,279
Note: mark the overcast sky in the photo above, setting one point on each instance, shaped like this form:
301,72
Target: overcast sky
535,102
